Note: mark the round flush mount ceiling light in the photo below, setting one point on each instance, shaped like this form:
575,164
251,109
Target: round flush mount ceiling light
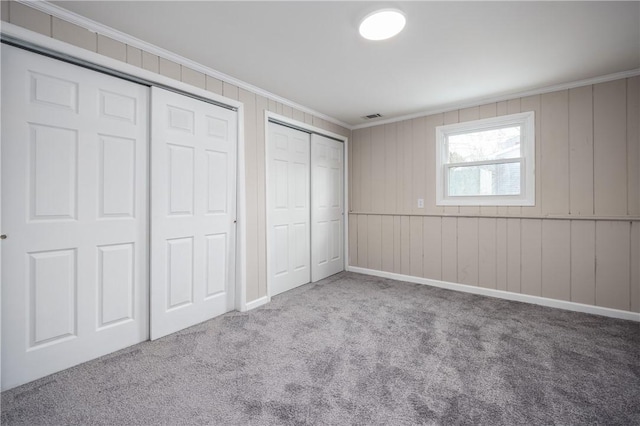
382,24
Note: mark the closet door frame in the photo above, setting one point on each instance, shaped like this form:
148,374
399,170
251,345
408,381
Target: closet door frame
40,44
281,119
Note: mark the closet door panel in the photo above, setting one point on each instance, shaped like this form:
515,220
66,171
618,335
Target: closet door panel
288,209
327,207
193,199
74,207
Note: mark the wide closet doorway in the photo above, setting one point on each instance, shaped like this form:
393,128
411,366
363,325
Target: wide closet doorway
305,207
119,209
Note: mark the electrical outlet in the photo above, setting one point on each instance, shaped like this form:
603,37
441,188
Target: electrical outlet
421,203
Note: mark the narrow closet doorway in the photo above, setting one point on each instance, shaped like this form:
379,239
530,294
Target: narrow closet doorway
305,207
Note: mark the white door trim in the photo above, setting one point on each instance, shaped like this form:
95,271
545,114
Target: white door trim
268,115
58,46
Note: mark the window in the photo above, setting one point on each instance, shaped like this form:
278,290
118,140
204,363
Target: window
486,162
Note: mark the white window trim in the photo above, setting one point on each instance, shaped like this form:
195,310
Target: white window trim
528,184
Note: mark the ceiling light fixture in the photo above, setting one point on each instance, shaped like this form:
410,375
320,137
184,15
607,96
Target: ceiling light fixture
382,24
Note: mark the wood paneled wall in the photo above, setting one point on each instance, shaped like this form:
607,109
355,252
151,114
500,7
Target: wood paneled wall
587,171
254,107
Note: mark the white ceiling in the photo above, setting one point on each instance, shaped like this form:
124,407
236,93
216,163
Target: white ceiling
449,52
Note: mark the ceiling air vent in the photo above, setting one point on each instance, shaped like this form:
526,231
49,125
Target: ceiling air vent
372,116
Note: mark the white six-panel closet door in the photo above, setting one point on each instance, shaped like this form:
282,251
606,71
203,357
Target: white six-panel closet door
74,208
288,210
193,211
327,207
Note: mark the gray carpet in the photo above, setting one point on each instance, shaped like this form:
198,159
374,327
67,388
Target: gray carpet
354,349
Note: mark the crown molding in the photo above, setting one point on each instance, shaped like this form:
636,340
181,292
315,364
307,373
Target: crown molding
74,18
491,99
96,27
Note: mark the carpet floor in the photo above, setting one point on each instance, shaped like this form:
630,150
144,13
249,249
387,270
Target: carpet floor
361,350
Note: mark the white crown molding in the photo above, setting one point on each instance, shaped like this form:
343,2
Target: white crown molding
74,18
492,99
96,27
535,300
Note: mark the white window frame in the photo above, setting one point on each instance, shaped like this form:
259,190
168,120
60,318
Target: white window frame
527,159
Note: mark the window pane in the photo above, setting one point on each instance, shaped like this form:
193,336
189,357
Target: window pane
489,179
484,145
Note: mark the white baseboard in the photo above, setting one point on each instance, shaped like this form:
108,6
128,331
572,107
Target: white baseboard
536,300
256,303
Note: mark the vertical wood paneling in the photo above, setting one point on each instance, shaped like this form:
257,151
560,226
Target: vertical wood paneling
377,169
430,152
134,56
554,167
273,106
531,252
228,90
610,148
513,107
387,243
190,76
450,117
308,118
298,115
635,267
365,171
374,236
450,249
583,261
612,264
407,143
419,157
399,184
556,259
150,62
349,173
513,255
405,245
261,105
114,49
501,254
487,253
416,246
397,245
468,251
214,85
501,108
68,32
488,111
353,240
287,111
432,243
581,150
633,145
4,11
28,17
251,193
390,167
356,172
170,69
363,241
532,103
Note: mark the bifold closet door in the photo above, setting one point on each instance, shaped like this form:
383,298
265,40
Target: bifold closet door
288,212
327,207
193,211
74,209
